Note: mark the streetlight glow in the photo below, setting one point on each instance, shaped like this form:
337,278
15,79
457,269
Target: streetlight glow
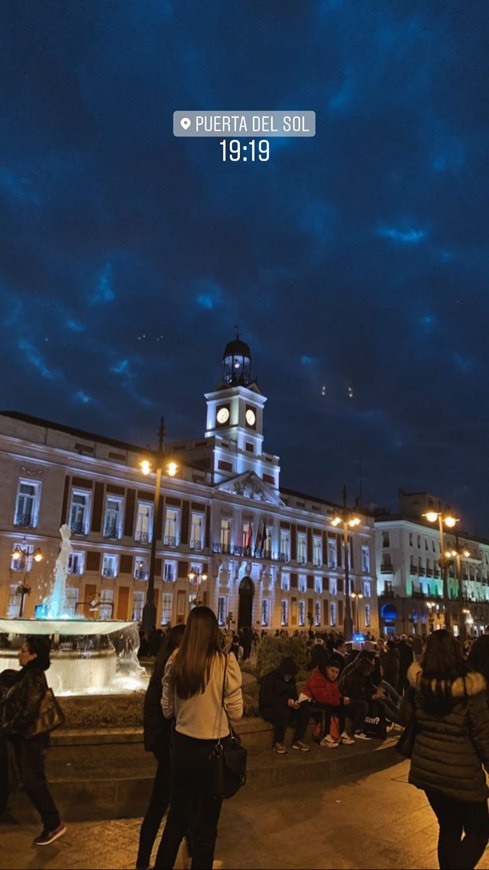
145,465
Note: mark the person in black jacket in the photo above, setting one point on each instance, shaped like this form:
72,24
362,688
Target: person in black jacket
451,717
279,705
157,734
20,708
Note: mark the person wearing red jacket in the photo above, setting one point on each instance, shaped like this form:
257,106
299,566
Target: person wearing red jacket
322,687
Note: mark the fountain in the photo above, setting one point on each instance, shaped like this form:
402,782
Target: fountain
88,656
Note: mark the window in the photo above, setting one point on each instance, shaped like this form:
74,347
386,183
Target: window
433,545
302,612
197,532
332,614
318,585
366,589
285,582
137,606
284,612
317,613
333,585
385,539
317,551
170,571
141,569
332,553
367,615
110,565
411,539
265,612
418,540
285,545
27,504
365,559
113,518
144,522
13,606
301,548
225,535
106,609
171,527
221,610
426,543
76,562
71,601
79,512
302,583
166,608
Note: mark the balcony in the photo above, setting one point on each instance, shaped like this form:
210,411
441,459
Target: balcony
79,528
142,537
386,568
196,544
429,572
112,532
413,570
26,521
170,541
140,574
108,572
284,557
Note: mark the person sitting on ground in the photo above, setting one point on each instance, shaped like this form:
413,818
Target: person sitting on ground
322,687
279,704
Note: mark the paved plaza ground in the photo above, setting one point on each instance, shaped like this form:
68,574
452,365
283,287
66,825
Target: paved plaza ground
376,820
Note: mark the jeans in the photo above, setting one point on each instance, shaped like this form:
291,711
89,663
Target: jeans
282,716
192,804
456,817
30,755
158,803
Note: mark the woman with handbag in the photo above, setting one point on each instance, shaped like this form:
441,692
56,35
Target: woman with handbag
23,726
199,680
449,714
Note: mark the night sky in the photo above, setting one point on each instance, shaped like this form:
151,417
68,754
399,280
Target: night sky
356,262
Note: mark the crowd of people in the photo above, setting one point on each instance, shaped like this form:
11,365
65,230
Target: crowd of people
437,688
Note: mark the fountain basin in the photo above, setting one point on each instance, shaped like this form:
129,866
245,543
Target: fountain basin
88,657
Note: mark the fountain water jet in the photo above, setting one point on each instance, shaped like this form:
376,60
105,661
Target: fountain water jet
88,656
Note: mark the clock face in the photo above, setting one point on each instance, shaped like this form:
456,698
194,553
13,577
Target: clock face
222,415
250,417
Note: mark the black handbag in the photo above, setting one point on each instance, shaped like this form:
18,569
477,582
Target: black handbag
228,758
50,716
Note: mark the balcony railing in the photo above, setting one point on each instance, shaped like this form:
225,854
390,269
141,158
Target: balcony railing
386,568
108,572
196,544
139,574
413,569
79,528
170,541
76,569
27,521
112,532
142,537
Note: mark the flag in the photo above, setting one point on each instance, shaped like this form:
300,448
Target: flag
259,539
248,537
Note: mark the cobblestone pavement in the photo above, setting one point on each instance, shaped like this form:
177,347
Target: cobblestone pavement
372,821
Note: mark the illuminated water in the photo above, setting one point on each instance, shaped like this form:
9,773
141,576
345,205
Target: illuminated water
88,656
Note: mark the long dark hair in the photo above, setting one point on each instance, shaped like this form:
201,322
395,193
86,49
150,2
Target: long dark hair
442,663
200,644
171,642
478,658
39,646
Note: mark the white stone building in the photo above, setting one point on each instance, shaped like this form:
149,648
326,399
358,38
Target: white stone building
271,556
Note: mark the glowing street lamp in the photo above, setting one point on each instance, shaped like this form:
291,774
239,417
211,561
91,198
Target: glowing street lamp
349,520
149,609
444,518
356,596
196,577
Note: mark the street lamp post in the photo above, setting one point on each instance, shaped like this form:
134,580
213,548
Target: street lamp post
457,554
445,518
149,609
356,596
349,520
196,577
22,551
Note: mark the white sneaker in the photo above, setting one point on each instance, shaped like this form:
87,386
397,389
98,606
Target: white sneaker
329,742
346,739
359,735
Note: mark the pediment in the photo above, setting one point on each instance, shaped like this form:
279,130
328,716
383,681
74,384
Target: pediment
249,485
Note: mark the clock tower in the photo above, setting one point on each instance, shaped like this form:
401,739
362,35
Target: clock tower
235,415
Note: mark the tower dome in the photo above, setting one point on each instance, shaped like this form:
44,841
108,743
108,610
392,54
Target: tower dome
236,361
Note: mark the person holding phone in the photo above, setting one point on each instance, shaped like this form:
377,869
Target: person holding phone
279,704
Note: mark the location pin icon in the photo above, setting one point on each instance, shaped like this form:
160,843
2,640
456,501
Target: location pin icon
185,123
